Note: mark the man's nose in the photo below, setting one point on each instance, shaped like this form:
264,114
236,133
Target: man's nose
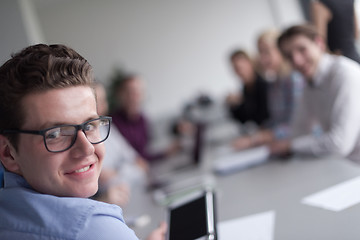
82,146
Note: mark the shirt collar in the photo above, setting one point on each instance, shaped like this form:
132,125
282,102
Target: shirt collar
14,180
322,70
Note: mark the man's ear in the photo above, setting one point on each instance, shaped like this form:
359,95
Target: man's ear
8,155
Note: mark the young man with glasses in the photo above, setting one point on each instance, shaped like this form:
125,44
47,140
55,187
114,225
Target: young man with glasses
51,149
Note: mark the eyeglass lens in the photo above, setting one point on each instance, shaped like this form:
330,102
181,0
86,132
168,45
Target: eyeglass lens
63,137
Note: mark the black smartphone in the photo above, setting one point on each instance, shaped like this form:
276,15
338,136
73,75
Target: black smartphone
193,217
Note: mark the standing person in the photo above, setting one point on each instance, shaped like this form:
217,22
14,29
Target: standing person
51,146
337,22
284,87
249,105
327,119
131,121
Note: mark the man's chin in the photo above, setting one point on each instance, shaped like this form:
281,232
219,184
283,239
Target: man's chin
86,192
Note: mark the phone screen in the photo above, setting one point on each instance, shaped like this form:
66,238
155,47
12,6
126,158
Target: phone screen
189,221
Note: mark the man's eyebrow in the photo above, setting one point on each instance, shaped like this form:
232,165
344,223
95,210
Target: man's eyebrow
54,124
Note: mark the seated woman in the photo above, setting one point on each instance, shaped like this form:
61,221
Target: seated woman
283,89
123,168
130,120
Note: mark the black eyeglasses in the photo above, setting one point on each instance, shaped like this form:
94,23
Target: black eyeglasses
61,138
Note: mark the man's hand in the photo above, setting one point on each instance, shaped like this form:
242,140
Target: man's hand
259,138
159,233
242,143
280,148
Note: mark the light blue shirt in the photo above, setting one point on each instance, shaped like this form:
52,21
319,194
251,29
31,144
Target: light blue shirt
27,214
1,175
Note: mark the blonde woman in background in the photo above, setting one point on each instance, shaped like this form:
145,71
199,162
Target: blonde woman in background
284,87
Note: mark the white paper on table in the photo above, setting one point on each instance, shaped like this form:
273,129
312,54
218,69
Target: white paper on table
237,161
338,197
254,227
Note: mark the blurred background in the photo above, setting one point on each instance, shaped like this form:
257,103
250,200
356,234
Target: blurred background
179,48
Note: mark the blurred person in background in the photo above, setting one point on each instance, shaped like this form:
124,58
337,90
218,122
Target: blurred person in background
251,103
337,22
129,118
327,118
123,168
284,87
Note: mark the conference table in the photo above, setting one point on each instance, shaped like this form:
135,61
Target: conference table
277,184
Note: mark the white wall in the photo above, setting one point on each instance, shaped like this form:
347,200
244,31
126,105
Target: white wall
13,33
179,47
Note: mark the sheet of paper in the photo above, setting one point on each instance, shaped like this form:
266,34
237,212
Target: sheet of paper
338,197
237,161
254,227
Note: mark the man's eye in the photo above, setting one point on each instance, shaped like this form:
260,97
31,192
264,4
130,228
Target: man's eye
90,127
53,134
